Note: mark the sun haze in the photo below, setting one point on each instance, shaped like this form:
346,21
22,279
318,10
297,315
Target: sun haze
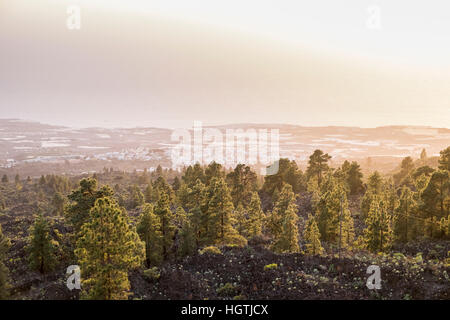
168,63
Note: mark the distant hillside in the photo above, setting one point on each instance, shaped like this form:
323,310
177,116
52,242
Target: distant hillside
23,142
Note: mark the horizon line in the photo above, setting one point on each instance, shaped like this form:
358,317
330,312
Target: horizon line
221,125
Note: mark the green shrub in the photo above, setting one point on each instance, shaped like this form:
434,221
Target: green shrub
418,258
228,290
447,260
399,256
210,250
271,266
236,241
152,274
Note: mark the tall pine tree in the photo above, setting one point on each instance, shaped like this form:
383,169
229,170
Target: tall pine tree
255,216
282,222
187,240
435,197
219,211
166,219
444,159
378,235
82,200
287,240
108,247
311,235
318,165
405,218
334,219
41,248
149,229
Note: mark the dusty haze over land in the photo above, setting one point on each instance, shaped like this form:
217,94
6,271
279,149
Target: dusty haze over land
25,143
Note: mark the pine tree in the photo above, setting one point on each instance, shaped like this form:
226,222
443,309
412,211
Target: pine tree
242,181
389,196
161,185
378,234
5,179
108,247
196,202
314,191
347,229
288,172
196,195
287,240
311,235
375,182
42,181
333,216
423,155
58,202
340,178
374,188
213,170
354,178
275,195
182,195
219,212
328,212
404,216
192,174
282,222
4,273
435,196
148,193
180,217
444,160
255,216
285,200
188,244
166,218
240,215
41,247
423,170
149,230
317,165
159,171
82,200
136,197
176,184
407,166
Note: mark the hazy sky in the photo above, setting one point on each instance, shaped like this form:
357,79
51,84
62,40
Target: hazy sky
167,63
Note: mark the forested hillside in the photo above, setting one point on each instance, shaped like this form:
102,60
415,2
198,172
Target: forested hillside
209,232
